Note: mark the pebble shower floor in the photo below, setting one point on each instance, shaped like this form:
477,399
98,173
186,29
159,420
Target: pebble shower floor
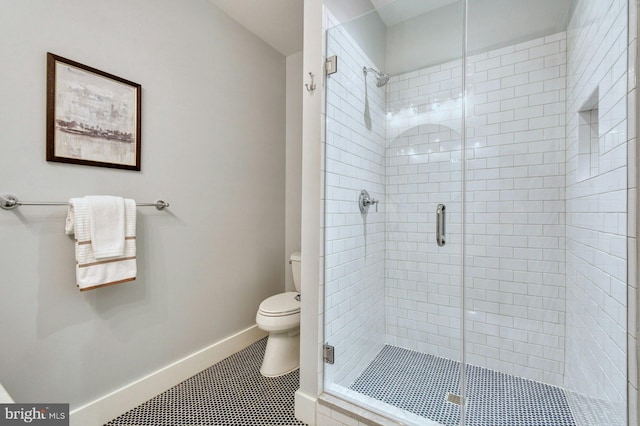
231,392
419,383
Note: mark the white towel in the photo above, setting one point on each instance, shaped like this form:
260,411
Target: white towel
91,272
106,223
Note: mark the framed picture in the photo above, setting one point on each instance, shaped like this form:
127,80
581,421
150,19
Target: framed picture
93,118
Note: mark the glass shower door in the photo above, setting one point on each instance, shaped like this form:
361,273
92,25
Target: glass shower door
393,270
354,241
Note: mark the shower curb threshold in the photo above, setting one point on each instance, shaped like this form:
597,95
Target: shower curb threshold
355,412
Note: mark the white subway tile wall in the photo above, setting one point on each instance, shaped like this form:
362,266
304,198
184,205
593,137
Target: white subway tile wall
596,208
514,200
424,169
514,253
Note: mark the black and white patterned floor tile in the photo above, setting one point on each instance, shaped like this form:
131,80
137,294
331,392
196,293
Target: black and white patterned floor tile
231,392
592,411
419,383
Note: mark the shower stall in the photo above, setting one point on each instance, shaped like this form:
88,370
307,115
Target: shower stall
476,211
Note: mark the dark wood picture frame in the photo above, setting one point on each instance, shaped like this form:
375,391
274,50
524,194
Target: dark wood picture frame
93,118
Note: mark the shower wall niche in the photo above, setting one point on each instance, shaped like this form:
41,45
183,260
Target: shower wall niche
596,208
531,282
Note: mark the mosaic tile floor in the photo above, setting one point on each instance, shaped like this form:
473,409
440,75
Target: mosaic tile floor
231,392
419,383
591,411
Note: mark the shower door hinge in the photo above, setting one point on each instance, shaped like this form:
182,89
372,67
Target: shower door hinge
328,353
331,66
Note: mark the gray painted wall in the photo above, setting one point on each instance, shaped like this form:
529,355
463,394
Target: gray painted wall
370,34
365,27
213,145
429,39
436,37
348,10
294,162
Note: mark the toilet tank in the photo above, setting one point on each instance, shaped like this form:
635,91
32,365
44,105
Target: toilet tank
295,269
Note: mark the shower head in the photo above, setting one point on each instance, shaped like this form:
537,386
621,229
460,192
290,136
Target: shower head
381,78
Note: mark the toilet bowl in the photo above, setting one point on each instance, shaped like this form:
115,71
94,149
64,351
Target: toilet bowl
279,316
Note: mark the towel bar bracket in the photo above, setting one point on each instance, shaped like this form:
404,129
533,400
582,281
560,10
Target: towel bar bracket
10,202
160,204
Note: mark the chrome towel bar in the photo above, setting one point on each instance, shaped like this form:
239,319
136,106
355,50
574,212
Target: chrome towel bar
9,202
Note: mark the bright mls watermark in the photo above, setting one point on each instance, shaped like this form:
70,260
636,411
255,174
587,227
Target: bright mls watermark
34,414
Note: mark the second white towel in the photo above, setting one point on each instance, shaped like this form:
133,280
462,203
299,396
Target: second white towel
106,224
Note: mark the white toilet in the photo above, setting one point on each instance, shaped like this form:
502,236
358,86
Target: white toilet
279,315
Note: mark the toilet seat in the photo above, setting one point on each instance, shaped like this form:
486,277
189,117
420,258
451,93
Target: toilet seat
280,305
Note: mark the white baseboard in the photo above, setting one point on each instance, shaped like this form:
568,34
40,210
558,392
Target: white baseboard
110,406
305,408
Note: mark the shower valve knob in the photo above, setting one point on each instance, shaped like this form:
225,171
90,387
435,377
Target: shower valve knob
365,201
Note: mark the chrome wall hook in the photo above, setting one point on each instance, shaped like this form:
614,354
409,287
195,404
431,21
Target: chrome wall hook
311,87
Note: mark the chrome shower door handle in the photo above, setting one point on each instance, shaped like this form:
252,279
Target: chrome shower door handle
440,225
